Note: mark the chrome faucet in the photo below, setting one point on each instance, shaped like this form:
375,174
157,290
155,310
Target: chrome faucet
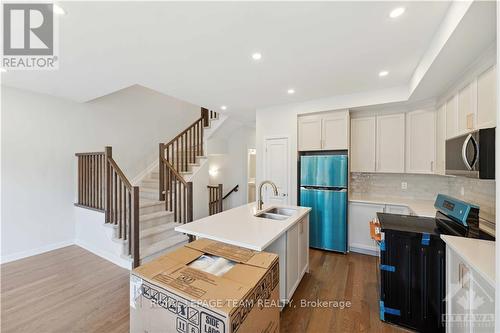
275,189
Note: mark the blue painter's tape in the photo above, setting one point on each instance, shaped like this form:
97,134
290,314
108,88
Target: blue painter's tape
391,311
426,238
388,268
382,245
394,312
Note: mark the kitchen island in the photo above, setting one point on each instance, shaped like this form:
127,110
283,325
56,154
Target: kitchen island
279,229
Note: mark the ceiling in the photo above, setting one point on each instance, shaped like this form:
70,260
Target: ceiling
201,52
470,41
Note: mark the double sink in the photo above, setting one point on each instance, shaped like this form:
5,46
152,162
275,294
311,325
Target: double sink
277,213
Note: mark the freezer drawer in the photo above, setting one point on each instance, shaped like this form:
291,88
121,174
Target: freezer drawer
327,220
323,170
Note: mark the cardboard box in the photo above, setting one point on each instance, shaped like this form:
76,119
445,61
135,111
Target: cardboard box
166,295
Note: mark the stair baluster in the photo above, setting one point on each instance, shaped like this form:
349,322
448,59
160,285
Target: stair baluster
104,187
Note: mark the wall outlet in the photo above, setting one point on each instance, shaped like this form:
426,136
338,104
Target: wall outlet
462,191
404,185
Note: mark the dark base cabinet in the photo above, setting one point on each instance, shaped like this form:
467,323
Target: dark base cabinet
412,281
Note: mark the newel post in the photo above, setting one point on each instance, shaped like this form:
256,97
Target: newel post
204,115
221,196
108,153
135,227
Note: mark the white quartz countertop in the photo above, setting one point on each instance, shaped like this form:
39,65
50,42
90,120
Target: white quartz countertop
240,227
479,254
419,207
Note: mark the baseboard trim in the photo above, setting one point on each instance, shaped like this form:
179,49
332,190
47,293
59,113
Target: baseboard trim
111,257
364,249
33,252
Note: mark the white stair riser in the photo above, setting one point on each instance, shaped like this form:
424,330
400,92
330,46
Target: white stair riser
162,252
149,195
152,209
151,239
156,222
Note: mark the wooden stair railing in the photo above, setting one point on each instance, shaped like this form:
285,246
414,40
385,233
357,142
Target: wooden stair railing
91,180
215,199
175,157
234,189
103,186
178,193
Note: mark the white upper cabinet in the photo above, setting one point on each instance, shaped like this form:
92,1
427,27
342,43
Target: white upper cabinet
310,133
327,131
467,108
363,144
390,145
420,141
335,131
452,117
441,140
486,99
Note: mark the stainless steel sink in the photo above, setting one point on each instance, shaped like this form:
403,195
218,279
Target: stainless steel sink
282,211
271,216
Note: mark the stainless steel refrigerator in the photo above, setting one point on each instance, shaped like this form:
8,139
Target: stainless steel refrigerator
323,187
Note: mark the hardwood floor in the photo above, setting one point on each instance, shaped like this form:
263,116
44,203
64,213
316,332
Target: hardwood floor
72,290
66,290
337,277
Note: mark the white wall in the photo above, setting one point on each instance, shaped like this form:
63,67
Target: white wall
282,121
228,155
41,134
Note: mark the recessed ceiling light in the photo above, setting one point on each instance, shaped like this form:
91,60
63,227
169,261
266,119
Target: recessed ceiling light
223,107
397,12
3,70
383,73
58,10
256,56
290,91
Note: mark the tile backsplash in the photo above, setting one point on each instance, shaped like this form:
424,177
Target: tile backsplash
426,187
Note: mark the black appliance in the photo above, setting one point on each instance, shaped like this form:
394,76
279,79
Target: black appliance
412,262
472,155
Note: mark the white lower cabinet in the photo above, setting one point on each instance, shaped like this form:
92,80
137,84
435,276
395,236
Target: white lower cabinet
360,214
470,300
396,209
304,246
292,262
293,250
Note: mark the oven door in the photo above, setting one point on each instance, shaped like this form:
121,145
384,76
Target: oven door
462,156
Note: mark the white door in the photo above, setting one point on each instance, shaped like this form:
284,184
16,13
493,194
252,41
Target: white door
335,131
420,141
276,169
391,143
363,144
309,133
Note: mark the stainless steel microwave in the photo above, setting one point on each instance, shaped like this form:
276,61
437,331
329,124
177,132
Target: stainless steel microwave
472,155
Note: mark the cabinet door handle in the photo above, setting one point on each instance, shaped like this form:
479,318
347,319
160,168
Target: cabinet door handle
432,166
463,276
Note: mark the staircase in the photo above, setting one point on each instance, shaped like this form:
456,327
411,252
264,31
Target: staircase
164,195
